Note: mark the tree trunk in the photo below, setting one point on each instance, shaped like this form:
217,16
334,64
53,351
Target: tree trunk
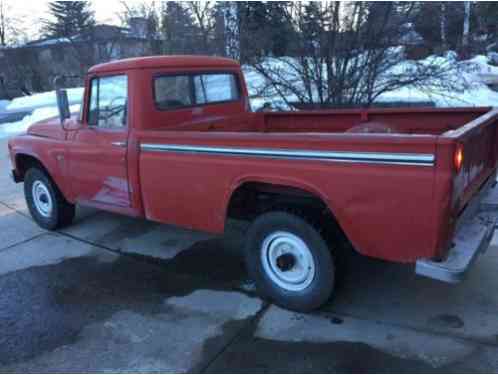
232,30
3,25
466,27
443,26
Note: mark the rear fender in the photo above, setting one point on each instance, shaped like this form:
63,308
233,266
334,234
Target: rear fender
282,182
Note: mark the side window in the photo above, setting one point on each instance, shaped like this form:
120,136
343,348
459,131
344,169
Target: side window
108,102
214,88
172,92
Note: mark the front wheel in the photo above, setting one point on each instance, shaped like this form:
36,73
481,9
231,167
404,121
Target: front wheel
289,261
47,205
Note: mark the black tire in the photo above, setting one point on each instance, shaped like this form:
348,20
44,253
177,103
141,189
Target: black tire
62,212
319,289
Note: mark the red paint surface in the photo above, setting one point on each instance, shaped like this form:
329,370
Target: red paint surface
393,212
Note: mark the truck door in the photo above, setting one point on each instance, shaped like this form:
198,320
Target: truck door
98,152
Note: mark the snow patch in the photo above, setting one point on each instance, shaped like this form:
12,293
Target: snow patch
473,80
4,104
44,99
12,128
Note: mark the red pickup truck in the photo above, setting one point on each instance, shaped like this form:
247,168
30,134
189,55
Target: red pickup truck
172,139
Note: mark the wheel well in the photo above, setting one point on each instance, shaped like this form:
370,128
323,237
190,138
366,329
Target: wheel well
252,199
25,162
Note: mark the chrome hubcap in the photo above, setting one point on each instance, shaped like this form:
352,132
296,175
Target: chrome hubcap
42,199
287,261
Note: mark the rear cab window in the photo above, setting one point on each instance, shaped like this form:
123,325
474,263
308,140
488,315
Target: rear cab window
173,92
189,90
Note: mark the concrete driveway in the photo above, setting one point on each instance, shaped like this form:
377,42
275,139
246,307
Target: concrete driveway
114,294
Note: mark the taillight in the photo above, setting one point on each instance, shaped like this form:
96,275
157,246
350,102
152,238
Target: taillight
458,159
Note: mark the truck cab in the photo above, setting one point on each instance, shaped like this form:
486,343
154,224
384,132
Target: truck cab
91,164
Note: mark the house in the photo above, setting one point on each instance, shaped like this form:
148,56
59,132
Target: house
33,66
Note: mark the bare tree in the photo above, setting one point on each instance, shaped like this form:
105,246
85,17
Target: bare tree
203,13
12,30
150,14
348,53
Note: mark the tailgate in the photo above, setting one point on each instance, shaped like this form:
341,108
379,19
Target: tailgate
476,151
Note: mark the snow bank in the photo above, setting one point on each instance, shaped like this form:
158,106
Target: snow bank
479,95
476,74
3,104
13,128
45,99
475,77
483,66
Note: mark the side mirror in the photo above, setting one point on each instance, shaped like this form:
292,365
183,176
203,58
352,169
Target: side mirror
63,105
62,100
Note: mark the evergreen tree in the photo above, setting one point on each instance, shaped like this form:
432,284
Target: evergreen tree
253,37
450,17
280,28
70,18
266,29
178,29
311,27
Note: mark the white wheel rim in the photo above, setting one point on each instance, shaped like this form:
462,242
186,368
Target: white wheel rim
287,261
42,199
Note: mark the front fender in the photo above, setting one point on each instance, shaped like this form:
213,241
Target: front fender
48,153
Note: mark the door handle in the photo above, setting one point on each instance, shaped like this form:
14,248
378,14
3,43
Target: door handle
119,144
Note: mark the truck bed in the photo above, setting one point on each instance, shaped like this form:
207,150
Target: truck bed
429,121
396,194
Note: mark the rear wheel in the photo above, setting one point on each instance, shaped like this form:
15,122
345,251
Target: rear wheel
47,205
290,261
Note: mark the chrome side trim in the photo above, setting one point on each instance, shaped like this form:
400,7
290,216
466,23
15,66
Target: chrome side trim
341,156
119,144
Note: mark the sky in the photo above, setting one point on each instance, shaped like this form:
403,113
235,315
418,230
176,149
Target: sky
33,12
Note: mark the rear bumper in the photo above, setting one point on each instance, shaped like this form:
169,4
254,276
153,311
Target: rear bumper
473,234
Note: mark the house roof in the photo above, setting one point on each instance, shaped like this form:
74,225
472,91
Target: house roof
47,42
171,61
100,32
